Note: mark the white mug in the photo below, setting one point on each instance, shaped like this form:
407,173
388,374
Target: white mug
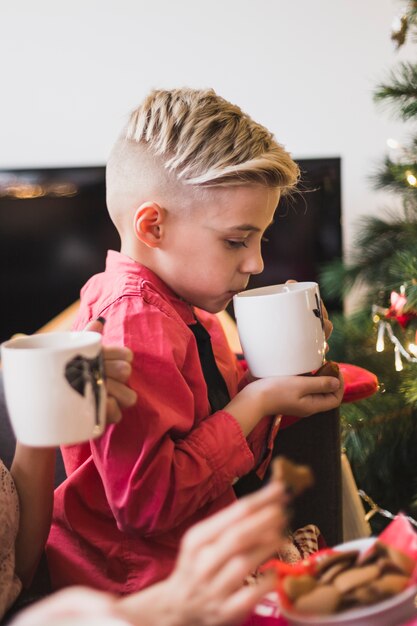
281,329
54,387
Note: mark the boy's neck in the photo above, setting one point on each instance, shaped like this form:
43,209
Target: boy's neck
147,262
138,254
145,256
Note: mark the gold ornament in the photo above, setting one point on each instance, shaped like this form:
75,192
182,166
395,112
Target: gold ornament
399,30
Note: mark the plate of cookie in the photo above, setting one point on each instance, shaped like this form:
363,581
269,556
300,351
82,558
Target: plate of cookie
359,583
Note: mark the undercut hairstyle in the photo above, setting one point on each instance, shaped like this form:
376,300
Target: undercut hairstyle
203,140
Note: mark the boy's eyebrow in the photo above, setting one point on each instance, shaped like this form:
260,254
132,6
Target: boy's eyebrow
249,227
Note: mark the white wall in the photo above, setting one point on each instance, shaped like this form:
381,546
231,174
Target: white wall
70,72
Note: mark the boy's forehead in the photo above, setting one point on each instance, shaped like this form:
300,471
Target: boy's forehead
245,208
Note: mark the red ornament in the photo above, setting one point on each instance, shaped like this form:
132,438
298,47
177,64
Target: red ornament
395,311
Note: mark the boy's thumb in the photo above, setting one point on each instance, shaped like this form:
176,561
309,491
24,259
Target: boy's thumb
96,325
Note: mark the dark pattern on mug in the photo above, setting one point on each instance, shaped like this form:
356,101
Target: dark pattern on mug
80,371
319,312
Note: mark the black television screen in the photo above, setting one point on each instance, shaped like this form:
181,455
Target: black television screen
306,231
55,231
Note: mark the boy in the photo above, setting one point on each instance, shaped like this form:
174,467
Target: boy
192,185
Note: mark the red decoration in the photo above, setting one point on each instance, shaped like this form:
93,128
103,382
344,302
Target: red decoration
396,310
359,382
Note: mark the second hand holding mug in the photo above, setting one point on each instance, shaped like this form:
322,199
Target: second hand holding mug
281,329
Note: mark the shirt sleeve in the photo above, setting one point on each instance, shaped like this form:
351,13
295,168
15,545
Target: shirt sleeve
261,438
162,462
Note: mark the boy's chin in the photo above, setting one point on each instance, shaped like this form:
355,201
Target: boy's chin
213,307
218,308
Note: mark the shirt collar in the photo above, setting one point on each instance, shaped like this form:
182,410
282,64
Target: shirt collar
121,263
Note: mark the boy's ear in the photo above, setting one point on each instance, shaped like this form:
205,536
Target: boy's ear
147,223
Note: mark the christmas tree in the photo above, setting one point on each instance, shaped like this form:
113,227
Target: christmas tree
380,433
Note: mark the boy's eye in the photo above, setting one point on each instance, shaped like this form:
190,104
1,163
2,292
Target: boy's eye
236,243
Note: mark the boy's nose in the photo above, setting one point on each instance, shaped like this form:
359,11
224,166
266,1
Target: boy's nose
253,263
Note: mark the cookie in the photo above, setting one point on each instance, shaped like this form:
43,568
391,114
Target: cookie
362,596
347,558
331,572
323,600
390,584
296,586
296,477
330,368
387,566
356,577
375,552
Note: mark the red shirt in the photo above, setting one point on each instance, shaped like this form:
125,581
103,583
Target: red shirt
131,494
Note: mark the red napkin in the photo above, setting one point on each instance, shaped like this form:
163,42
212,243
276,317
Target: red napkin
359,382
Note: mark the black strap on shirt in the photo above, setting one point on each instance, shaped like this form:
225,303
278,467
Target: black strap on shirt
218,396
218,393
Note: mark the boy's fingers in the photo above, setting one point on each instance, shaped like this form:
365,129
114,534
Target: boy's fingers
319,384
329,396
323,402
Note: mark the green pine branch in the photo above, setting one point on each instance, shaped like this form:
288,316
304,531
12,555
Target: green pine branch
337,279
394,177
400,90
408,387
411,292
403,271
385,257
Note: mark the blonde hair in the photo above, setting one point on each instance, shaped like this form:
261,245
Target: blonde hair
203,140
